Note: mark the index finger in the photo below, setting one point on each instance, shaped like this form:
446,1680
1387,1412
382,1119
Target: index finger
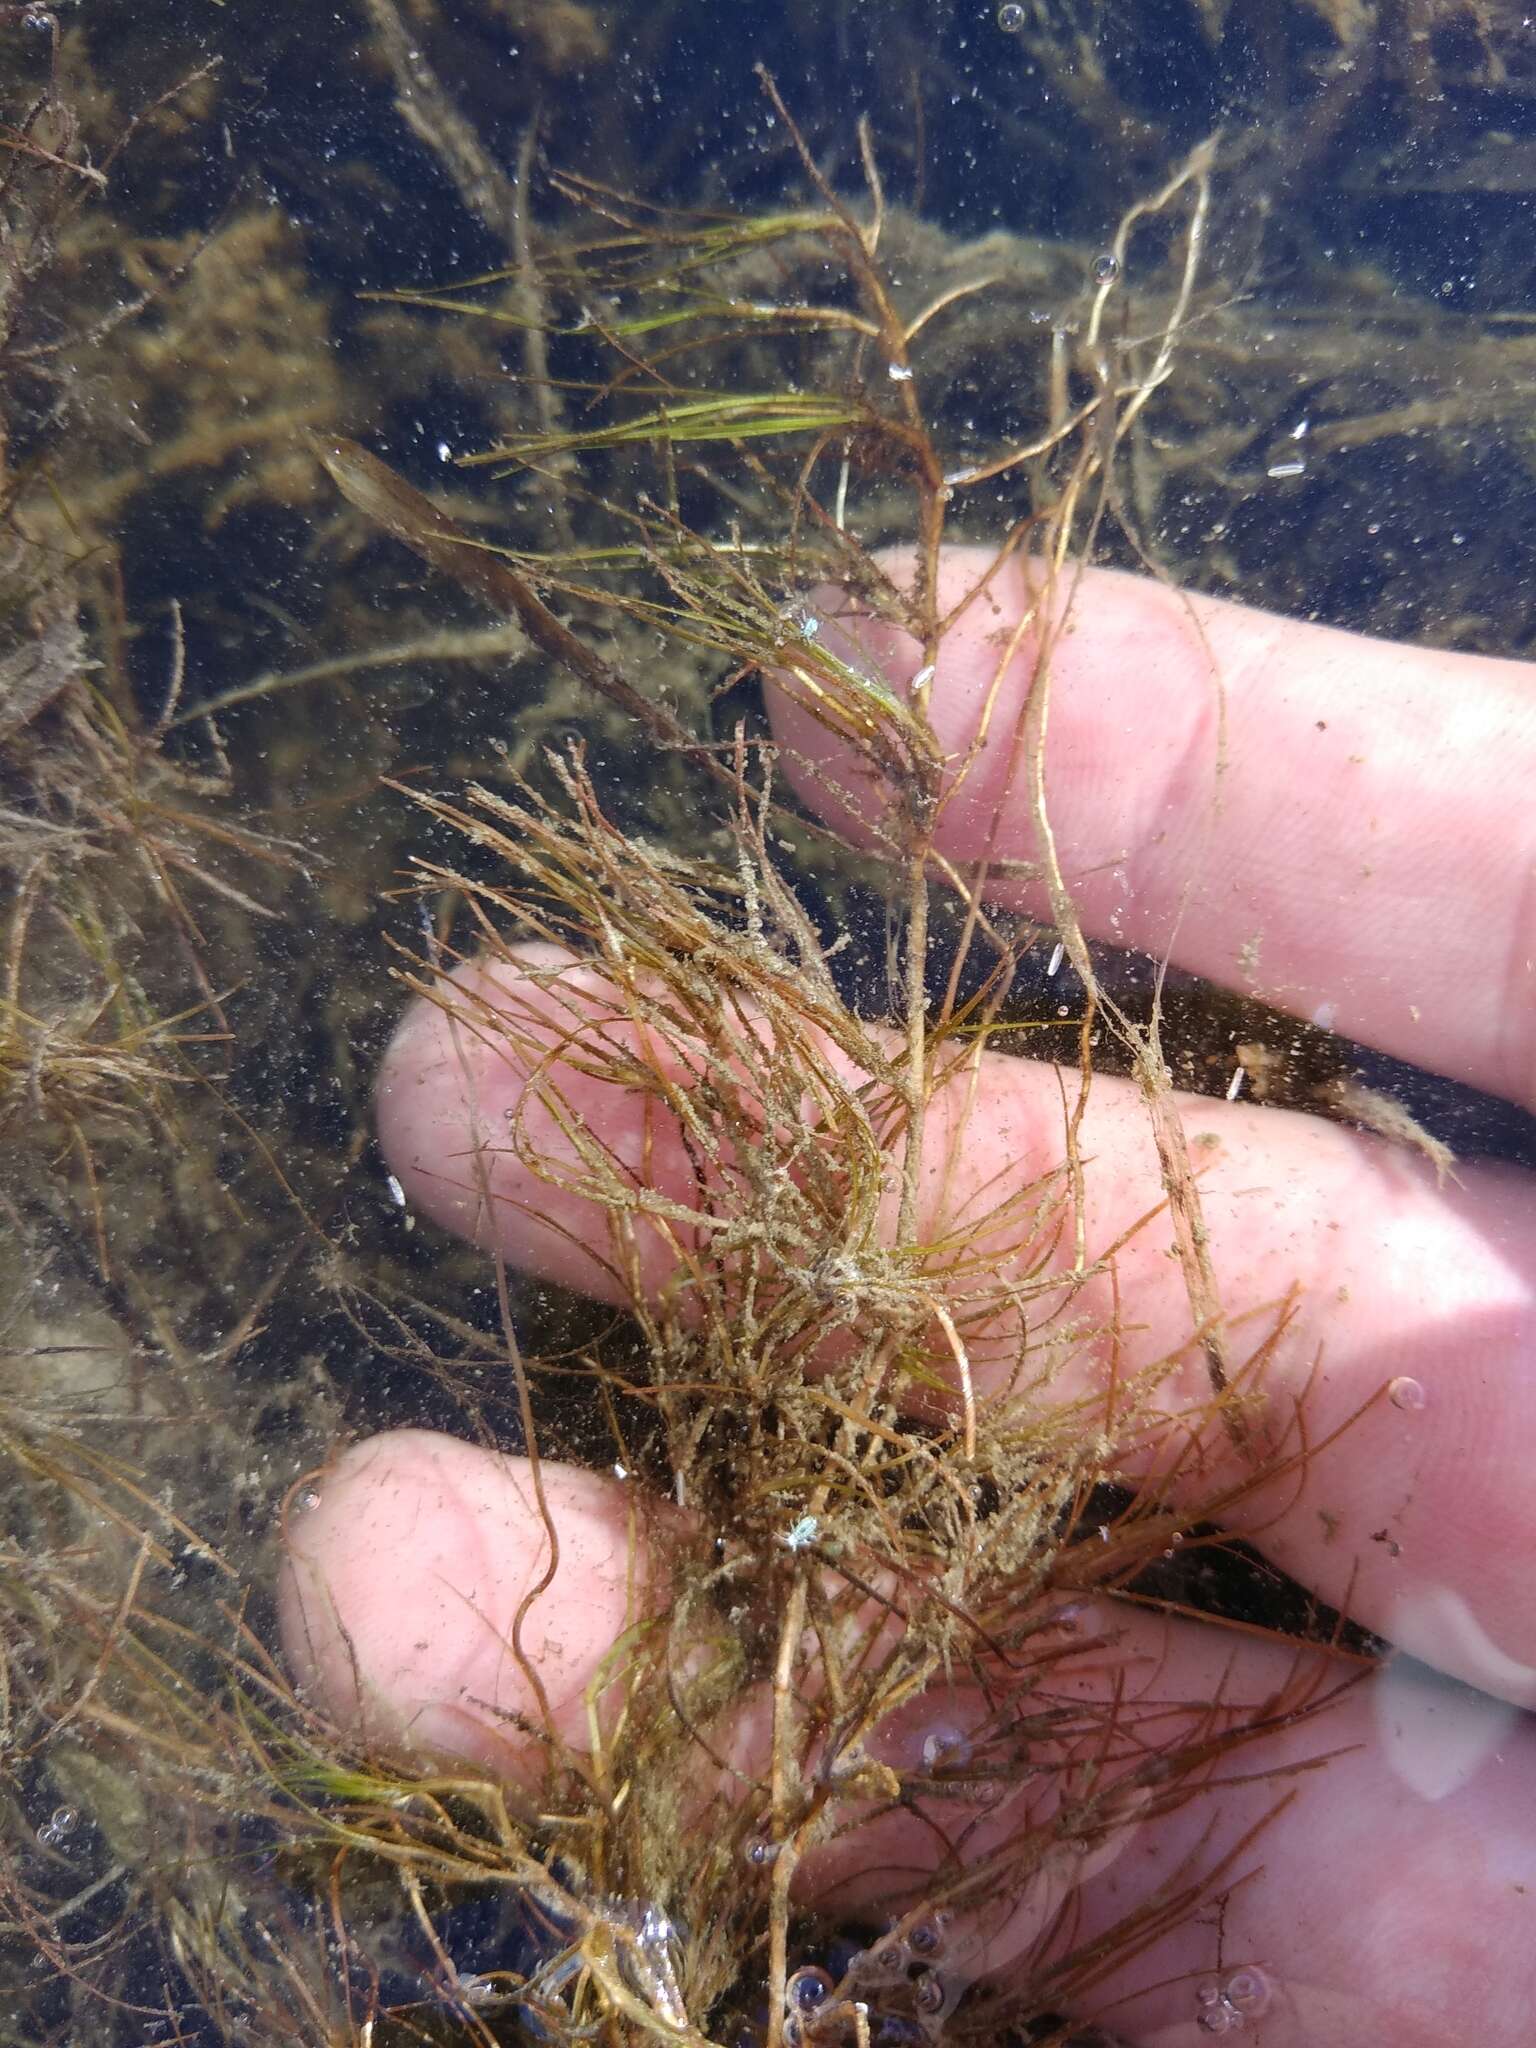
1342,826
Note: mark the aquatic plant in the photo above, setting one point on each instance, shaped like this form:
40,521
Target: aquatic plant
850,1371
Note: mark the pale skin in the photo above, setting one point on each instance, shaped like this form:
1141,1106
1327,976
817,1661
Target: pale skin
1372,858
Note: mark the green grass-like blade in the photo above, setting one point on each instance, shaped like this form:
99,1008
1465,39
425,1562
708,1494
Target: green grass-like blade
751,416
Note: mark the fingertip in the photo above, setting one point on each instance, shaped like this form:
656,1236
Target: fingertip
405,1566
427,1080
483,1091
450,1093
832,774
373,1548
1141,647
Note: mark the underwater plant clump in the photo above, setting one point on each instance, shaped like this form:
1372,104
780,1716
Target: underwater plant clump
851,1380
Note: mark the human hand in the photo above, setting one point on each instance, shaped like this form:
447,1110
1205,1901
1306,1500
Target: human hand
1374,837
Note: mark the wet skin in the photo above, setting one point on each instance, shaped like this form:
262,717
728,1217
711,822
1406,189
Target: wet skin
1371,861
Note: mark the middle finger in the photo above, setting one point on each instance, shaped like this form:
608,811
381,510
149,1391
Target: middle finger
1415,1310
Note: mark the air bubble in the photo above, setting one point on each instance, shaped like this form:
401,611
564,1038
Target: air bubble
64,1820
1248,1990
945,1748
926,1939
1293,465
759,1852
1406,1394
886,1962
929,1993
1011,17
1219,2019
305,1501
1106,268
807,1989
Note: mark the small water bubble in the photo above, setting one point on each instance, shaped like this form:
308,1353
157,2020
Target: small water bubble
759,1852
1293,465
794,2030
899,373
1207,1993
306,1500
930,1994
64,1820
1248,1990
1011,17
1218,2019
807,1989
945,1748
1406,1394
1106,268
888,1958
926,1939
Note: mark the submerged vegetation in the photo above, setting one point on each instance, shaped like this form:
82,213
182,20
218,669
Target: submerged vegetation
844,1372
693,430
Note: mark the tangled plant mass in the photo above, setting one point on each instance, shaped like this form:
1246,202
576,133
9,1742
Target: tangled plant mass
880,1380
